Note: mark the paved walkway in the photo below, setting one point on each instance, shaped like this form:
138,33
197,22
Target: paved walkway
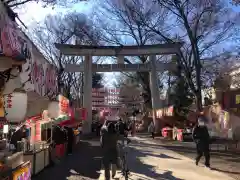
150,161
221,160
147,160
84,164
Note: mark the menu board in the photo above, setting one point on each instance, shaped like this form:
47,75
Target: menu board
23,173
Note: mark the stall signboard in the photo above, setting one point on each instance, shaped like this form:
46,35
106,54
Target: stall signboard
23,173
43,76
231,99
167,111
38,132
12,41
63,105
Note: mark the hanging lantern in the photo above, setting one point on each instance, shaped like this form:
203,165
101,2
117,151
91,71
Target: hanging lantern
53,109
45,116
15,105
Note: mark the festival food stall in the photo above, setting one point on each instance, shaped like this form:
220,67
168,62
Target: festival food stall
42,132
38,154
12,164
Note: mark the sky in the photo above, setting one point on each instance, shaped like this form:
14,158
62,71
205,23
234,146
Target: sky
34,12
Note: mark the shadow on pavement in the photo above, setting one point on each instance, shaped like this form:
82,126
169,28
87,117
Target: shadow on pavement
222,161
164,156
225,171
83,164
146,171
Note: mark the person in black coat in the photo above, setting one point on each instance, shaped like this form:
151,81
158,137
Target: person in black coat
70,137
108,141
202,139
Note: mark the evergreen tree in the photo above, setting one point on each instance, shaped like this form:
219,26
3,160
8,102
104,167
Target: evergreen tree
180,95
97,80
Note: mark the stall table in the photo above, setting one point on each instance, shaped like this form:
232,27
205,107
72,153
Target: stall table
39,158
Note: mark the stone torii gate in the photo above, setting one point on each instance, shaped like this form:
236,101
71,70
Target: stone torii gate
119,51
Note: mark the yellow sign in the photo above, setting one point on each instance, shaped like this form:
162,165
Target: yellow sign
2,112
22,174
238,99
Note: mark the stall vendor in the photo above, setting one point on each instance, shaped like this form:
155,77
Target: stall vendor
59,139
17,136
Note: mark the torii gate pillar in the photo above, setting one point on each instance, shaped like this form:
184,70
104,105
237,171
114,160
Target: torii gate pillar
154,89
87,98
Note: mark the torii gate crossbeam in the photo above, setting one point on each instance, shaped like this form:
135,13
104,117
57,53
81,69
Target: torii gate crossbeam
120,52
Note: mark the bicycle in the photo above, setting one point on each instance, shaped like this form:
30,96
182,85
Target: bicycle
123,157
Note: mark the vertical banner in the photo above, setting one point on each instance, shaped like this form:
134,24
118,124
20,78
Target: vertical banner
2,111
84,113
63,105
38,131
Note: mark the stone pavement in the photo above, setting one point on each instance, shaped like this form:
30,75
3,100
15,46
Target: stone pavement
84,164
221,160
150,161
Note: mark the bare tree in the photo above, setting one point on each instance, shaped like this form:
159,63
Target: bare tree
16,3
70,28
229,75
235,2
217,68
121,25
202,25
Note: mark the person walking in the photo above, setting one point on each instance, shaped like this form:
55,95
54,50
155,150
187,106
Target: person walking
151,129
202,139
109,138
122,128
70,137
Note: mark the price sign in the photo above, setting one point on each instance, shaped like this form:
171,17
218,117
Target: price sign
22,173
238,99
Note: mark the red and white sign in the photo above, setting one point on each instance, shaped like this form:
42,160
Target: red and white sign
12,41
43,77
63,104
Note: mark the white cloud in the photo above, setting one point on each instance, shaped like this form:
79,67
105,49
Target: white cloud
34,12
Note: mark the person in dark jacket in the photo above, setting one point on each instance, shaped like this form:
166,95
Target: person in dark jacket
59,140
202,139
122,128
70,137
108,142
17,136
